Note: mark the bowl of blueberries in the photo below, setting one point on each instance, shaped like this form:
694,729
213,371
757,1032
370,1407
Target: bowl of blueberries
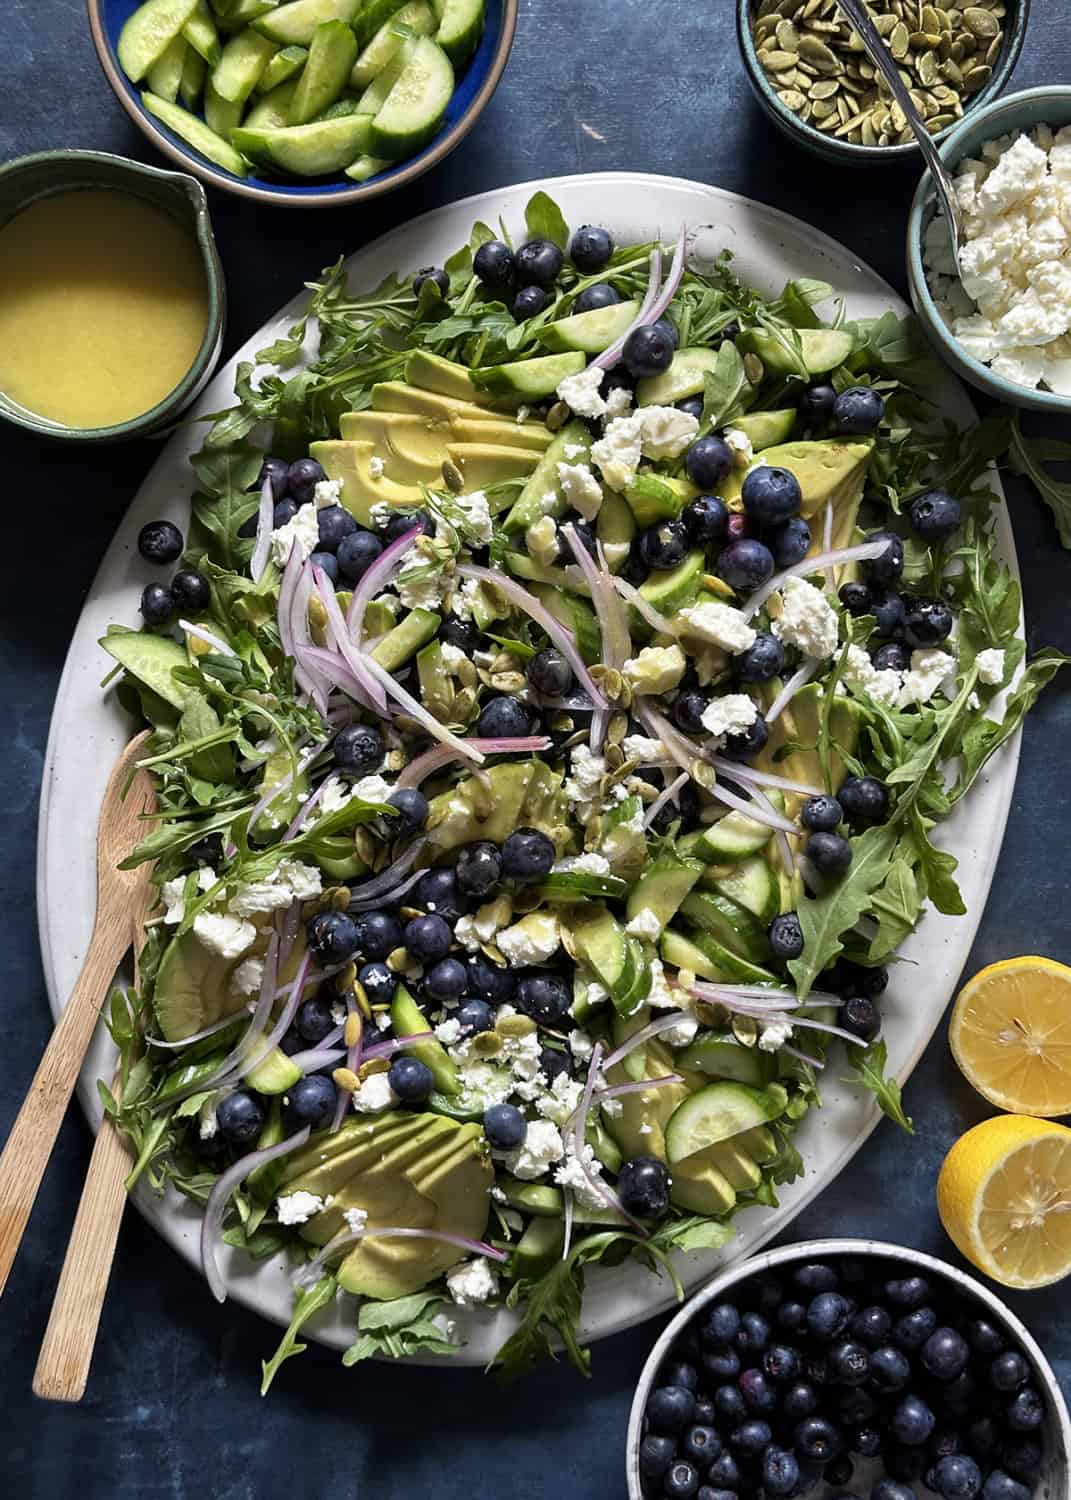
847,1370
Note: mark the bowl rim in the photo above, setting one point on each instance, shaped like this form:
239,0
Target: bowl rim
847,151
952,151
216,177
111,167
818,1249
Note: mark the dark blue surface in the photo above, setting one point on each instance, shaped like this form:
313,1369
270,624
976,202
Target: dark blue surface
172,1408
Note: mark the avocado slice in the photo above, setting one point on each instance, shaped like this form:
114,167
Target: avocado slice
543,480
486,464
822,349
418,439
520,565
407,637
284,805
399,396
433,373
662,887
639,1128
598,940
590,332
384,1180
152,659
352,1135
538,1249
408,1019
685,377
699,1187
191,990
516,795
350,463
531,435
528,379
765,428
800,724
833,470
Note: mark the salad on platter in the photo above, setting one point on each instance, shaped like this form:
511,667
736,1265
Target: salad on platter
572,654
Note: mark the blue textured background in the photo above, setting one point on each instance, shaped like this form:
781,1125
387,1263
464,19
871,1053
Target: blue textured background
172,1407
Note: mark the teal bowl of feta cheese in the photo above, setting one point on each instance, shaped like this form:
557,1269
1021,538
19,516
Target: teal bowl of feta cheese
1004,325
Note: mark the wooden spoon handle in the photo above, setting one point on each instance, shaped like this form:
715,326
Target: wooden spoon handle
67,1348
29,1146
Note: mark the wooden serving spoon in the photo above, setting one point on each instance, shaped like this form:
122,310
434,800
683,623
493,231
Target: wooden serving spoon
120,893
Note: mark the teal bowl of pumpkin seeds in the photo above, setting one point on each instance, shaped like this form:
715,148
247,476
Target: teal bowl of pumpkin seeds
812,76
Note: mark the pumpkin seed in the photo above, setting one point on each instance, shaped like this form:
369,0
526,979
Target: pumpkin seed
816,52
822,109
979,22
754,368
778,62
788,38
976,78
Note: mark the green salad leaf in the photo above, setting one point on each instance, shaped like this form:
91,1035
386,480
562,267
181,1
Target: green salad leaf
400,1328
1028,457
869,1064
826,918
307,1302
544,221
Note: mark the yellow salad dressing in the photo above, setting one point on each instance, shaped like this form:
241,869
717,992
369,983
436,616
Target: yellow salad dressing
103,306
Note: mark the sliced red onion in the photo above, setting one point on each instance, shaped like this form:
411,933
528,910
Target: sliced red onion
262,546
378,886
747,775
220,1197
562,638
752,810
645,1033
395,895
803,1057
580,1126
656,621
862,552
353,1059
218,645
198,1036
286,925
338,636
416,710
758,992
287,586
567,1238
279,1030
668,795
808,874
307,807
432,760
618,1089
827,539
800,678
610,357
319,684
336,674
612,623
375,581
784,853
319,1057
397,1044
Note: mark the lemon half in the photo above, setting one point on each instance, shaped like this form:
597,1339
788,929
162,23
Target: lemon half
1004,1196
1011,1035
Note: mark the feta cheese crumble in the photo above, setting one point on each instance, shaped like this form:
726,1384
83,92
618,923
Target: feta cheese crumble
720,624
740,446
297,1208
376,466
582,864
172,894
247,977
571,1175
581,489
618,452
583,786
774,1035
733,714
302,531
665,431
472,1282
356,1219
645,924
227,935
374,1094
533,940
581,392
990,666
807,620
542,1147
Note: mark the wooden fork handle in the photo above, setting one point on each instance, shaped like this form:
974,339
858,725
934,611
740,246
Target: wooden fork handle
67,1349
29,1146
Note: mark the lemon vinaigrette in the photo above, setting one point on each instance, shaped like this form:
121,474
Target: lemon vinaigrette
103,307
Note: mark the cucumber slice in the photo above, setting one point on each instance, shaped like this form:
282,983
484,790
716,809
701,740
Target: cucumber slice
200,31
685,377
192,82
273,110
275,1074
196,134
529,379
286,62
732,924
717,1112
372,14
165,75
662,887
377,92
590,332
720,1055
736,835
367,166
528,507
537,1198
241,12
347,105
728,964
615,527
314,150
149,32
407,1019
331,56
754,886
416,104
415,18
822,349
572,885
538,1249
576,615
221,115
297,22
471,1103
461,25
243,60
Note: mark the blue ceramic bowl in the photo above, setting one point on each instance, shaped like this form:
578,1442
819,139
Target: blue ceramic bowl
1016,112
471,96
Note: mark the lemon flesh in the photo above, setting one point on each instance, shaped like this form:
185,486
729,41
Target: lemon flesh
1010,1034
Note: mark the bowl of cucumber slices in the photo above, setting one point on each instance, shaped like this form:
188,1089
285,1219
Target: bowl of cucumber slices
304,102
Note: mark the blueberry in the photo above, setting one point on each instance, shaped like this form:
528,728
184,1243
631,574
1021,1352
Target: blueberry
682,1481
855,1405
745,565
761,1397
302,477
437,892
945,1353
957,1477
538,263
747,744
191,591
488,980
527,855
865,800
1025,1411
1009,1371
828,1312
789,543
693,405
314,1019
771,495
754,1334
764,659
529,302
503,718
461,633
792,1316
821,814
892,1489
729,1404
493,265
1001,1486
333,935
866,1441
311,1101
780,1471
411,1079
356,554
378,934
643,1187
412,808
849,1362
549,672
479,868
983,1439
935,515
335,524
890,1369
799,1401
474,1015
327,563
708,461
359,748
701,1444
780,1362
860,1016
648,351
669,327
433,274
943,1441
767,1292
1022,1459
283,511
888,611
786,936
157,604
816,403
428,938
378,982
402,522
680,1372
446,980
688,710
590,248
814,1277
721,1364
912,1421
856,598
893,656
207,851
858,411
240,1117
959,1395
277,471
839,1470
544,997
704,1409
828,852
670,1409
505,1127
724,1474
738,527
707,519
914,1328
601,294
722,1323
751,1437
665,545
927,622
656,1455
984,1339
160,542
817,1439
888,565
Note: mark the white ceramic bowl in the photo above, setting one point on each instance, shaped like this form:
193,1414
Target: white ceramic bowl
1054,1483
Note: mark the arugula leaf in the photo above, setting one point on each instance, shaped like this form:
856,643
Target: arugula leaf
869,1063
1026,457
723,387
307,1302
224,502
936,866
896,905
693,1233
826,918
543,220
986,736
399,1328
